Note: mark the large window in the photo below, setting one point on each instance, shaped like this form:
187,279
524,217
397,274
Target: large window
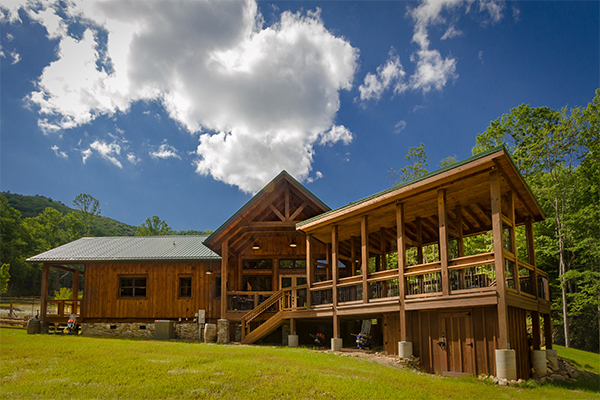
185,286
258,264
292,264
132,287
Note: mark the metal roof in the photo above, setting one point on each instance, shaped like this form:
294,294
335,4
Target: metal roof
129,248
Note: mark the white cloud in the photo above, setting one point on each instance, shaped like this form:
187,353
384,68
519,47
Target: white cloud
399,127
132,158
108,151
318,175
389,74
451,32
16,57
433,71
9,37
247,87
165,151
338,133
59,153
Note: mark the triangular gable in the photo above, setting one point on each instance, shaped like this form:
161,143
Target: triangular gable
281,204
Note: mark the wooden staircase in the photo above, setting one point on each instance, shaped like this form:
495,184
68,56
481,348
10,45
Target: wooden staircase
257,323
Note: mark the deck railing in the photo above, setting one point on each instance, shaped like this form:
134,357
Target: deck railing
245,301
63,308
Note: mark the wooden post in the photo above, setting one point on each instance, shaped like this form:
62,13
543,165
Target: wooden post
419,240
443,241
292,326
383,249
353,256
531,253
547,332
459,228
328,261
45,283
499,260
513,244
334,279
224,261
309,270
401,265
75,291
364,255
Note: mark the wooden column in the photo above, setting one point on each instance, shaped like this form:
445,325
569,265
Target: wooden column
383,249
401,265
224,262
443,241
334,278
419,240
535,315
499,260
310,272
364,255
513,235
45,283
353,255
292,326
328,261
459,230
75,290
547,332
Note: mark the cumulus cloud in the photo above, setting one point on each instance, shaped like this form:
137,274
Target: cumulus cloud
389,74
58,152
132,158
338,133
165,151
262,97
432,70
108,151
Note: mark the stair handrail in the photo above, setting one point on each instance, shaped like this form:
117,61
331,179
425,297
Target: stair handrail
262,307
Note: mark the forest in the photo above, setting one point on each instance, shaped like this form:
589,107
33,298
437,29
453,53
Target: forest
556,151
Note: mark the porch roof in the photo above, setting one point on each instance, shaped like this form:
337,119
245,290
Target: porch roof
129,248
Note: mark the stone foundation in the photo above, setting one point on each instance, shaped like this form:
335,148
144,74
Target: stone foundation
185,331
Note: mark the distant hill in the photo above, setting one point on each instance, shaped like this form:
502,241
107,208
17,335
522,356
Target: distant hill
32,206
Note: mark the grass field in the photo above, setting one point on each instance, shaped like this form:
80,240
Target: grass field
54,366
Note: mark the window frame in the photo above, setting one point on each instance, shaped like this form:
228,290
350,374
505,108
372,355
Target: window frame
133,286
179,286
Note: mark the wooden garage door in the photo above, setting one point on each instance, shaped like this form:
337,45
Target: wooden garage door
456,342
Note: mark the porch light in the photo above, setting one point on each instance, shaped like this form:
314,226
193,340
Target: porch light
209,272
255,246
293,244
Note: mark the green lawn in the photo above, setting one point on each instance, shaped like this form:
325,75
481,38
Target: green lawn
52,366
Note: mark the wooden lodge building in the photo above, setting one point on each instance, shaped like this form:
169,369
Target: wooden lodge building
443,266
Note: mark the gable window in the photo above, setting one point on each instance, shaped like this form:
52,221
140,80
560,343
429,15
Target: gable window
132,287
292,264
185,286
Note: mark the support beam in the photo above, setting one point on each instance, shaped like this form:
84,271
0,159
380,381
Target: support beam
459,240
419,241
364,250
45,283
513,234
499,260
310,270
401,264
547,332
224,261
443,241
334,278
75,290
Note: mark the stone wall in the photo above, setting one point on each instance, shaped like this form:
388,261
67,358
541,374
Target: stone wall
185,331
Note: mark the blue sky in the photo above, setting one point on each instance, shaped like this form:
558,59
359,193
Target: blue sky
185,109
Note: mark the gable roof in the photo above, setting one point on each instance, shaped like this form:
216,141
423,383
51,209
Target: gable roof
256,202
129,248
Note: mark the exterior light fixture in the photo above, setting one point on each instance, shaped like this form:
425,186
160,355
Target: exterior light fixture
209,272
293,244
255,246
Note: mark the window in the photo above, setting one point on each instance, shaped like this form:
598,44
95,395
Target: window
258,264
292,264
217,287
185,286
132,287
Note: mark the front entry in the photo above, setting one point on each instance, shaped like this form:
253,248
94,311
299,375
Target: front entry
294,298
456,343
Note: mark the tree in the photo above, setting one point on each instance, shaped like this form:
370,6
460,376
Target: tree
89,208
4,278
412,171
548,147
153,226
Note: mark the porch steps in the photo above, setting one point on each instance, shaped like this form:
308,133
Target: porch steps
265,328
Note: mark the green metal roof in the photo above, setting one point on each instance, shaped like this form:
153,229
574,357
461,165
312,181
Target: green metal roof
428,175
129,248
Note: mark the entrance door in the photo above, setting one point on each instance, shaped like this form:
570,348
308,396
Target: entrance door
456,343
296,297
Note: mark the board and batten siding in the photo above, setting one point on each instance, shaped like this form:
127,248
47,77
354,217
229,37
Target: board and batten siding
101,300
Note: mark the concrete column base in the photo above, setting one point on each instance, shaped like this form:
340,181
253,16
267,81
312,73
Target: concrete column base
405,349
293,340
551,356
506,364
336,344
538,362
222,331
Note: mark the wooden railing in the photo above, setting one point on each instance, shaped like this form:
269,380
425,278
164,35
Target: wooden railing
251,320
245,301
63,308
294,297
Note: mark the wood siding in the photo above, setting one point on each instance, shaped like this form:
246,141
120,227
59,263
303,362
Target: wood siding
162,301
